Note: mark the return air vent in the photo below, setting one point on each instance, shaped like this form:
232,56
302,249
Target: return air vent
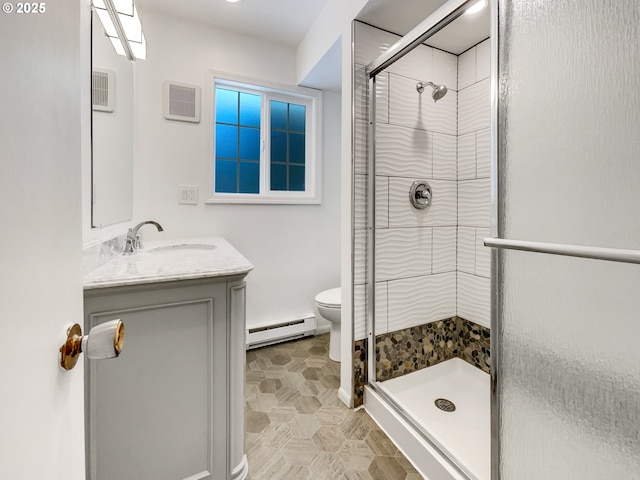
283,331
103,90
181,102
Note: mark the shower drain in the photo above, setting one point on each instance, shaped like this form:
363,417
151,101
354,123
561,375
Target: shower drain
445,405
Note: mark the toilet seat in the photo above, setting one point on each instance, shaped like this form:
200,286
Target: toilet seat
331,298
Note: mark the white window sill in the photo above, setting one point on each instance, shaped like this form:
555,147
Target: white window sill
263,199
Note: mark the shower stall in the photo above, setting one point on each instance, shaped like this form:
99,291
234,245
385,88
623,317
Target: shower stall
421,212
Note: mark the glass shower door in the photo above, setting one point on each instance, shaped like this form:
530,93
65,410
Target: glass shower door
566,329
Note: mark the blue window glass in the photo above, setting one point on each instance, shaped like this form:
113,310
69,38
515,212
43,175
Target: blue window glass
296,148
278,146
249,144
278,177
249,177
296,178
250,110
226,176
297,115
226,141
226,106
279,115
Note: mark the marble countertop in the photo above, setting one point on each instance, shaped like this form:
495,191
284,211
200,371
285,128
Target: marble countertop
170,260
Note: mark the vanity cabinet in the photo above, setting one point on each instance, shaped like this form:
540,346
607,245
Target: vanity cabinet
171,406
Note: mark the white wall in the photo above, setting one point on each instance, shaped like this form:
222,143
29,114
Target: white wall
295,249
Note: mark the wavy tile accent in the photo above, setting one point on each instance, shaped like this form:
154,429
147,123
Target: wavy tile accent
445,69
382,202
418,64
467,249
467,156
474,203
360,146
382,98
403,252
474,298
371,42
443,211
359,312
474,107
483,60
382,307
360,201
360,86
360,257
411,109
444,156
444,249
403,151
414,301
483,254
467,68
483,152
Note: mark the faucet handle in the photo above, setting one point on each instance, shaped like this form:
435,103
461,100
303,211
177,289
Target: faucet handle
129,246
138,243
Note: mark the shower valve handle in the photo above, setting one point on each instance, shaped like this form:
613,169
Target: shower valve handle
420,194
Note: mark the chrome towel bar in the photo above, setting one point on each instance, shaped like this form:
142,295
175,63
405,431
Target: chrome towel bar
596,253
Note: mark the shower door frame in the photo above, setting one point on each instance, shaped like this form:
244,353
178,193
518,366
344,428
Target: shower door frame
442,17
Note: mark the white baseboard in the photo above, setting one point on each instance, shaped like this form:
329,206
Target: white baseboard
346,398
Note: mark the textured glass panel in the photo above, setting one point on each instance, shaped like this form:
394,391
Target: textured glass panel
249,144
249,177
297,117
279,115
296,178
296,148
278,177
226,141
226,176
570,369
278,146
250,110
226,106
574,147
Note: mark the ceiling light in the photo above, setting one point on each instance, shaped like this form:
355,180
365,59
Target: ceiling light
234,1
122,25
476,7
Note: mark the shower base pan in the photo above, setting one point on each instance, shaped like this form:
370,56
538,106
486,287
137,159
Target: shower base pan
465,433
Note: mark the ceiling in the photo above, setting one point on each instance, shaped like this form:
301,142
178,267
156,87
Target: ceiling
280,21
401,16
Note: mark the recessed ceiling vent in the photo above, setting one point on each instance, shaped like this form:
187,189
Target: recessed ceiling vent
103,90
181,102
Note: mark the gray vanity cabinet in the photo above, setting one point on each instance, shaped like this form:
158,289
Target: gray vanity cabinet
171,406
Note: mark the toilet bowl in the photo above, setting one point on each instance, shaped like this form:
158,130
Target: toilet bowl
329,304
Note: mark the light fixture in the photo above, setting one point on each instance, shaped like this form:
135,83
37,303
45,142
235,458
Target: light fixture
122,25
235,1
476,7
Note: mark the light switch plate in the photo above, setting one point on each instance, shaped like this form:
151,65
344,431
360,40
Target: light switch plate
188,194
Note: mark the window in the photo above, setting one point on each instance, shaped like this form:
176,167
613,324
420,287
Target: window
265,146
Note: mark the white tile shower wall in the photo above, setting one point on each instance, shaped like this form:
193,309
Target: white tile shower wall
474,200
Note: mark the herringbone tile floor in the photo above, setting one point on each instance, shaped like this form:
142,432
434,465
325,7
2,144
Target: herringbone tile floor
297,428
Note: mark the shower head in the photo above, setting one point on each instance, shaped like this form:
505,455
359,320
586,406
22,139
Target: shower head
439,91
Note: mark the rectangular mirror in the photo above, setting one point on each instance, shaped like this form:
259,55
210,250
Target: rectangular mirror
112,131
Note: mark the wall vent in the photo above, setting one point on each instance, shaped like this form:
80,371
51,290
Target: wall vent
103,90
283,331
181,102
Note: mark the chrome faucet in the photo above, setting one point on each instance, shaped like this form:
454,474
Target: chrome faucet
132,242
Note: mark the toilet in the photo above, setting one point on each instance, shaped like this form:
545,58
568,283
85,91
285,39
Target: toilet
329,304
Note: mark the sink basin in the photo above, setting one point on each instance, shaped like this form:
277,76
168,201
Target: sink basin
183,247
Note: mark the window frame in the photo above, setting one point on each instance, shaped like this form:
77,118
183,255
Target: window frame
310,98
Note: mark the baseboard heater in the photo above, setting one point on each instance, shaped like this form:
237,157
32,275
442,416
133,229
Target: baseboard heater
283,331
